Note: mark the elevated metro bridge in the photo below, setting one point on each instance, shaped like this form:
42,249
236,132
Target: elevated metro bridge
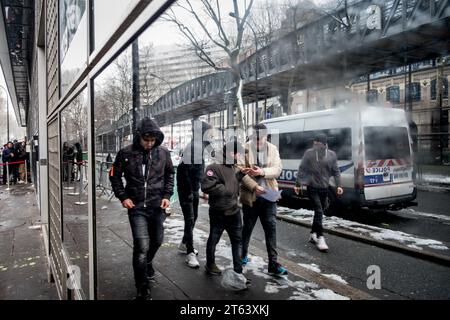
380,35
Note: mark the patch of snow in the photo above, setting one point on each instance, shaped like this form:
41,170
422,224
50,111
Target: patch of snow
327,294
435,178
336,278
312,267
425,214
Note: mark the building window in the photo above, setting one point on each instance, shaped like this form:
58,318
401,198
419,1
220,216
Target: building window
413,91
372,96
393,94
434,89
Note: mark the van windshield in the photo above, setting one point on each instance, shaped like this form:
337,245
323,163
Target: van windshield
386,143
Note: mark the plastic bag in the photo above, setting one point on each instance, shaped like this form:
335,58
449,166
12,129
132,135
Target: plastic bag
233,281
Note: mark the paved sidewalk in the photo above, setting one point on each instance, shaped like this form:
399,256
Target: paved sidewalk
23,271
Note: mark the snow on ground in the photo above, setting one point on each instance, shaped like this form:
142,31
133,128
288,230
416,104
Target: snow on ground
367,230
436,178
424,214
174,227
316,268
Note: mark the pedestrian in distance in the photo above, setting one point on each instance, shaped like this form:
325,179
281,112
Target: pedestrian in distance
318,165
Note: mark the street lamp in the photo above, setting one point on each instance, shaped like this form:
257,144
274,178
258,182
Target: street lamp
233,15
7,112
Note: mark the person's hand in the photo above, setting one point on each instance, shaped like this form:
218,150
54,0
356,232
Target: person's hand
255,171
245,170
339,190
165,203
128,203
12,154
259,190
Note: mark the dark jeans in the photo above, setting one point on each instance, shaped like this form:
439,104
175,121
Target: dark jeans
148,233
318,198
266,211
188,184
218,222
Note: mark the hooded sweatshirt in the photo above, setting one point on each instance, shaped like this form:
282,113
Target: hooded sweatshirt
317,167
148,173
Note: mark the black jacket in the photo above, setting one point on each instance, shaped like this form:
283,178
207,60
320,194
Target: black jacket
143,191
221,183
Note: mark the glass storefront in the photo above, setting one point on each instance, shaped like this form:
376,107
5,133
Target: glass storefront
74,166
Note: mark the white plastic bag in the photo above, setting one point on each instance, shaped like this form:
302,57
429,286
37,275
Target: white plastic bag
233,281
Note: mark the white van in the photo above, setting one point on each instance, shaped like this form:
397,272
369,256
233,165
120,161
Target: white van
373,147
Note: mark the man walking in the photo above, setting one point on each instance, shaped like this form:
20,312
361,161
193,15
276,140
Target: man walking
189,173
263,164
317,166
221,183
148,171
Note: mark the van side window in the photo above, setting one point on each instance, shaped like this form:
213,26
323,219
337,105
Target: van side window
294,144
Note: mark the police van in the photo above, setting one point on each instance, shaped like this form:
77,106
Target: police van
373,147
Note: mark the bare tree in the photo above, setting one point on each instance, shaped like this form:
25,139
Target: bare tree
212,31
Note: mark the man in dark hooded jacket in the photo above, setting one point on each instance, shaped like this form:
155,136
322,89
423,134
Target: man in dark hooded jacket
189,174
148,171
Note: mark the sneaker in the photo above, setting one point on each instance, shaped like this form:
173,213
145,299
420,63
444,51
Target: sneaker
150,273
245,260
277,269
192,261
313,237
143,294
183,249
321,244
213,269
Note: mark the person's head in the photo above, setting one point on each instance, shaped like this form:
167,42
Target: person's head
320,141
232,151
149,135
259,135
9,144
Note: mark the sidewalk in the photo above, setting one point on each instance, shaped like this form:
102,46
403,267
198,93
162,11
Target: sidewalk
23,271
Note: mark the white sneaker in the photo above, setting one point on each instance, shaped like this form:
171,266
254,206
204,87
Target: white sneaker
192,261
313,237
183,249
321,244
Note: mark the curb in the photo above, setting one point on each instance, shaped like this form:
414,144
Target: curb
389,245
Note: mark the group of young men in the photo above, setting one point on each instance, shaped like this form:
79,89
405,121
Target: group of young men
241,177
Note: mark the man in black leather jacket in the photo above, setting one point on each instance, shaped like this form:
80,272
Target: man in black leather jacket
148,171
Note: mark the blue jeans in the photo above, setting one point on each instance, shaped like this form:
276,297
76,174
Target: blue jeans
148,234
188,184
266,211
318,197
218,222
